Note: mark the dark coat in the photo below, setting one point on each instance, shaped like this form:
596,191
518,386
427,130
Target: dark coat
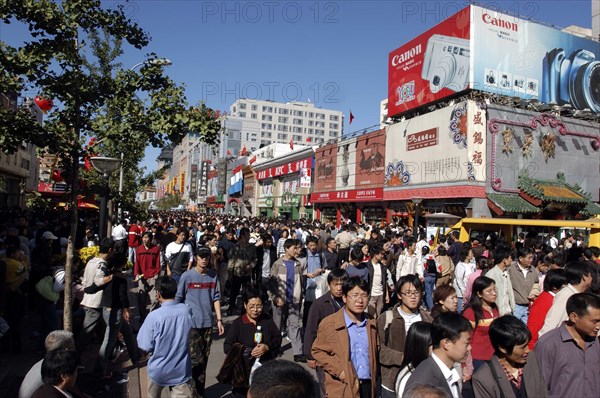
393,340
428,372
319,310
485,385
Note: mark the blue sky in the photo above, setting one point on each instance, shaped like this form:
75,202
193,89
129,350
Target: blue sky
331,52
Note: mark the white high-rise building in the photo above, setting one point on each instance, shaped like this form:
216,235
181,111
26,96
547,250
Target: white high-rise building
279,122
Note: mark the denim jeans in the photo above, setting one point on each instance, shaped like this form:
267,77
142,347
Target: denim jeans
521,312
429,287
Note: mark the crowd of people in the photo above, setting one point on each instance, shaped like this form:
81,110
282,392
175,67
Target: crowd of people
377,310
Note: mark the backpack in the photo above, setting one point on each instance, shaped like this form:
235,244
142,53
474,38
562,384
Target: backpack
431,266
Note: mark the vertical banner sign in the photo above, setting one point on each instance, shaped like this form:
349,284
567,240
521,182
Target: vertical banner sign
204,179
193,182
476,159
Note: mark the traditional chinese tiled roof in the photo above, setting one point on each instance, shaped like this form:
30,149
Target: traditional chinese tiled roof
592,209
551,191
511,203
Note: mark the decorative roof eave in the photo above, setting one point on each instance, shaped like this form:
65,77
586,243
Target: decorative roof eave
509,203
591,209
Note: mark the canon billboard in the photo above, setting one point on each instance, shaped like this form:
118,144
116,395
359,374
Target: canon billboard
485,50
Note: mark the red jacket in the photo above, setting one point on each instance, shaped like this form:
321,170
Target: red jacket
537,315
147,261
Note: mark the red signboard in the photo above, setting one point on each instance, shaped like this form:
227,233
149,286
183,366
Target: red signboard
430,67
422,139
288,168
370,160
354,195
325,168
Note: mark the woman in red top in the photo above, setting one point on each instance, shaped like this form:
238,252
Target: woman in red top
481,311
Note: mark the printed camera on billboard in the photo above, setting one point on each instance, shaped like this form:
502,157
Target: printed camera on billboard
574,80
446,63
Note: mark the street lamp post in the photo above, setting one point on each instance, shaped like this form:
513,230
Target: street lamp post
106,166
417,202
154,61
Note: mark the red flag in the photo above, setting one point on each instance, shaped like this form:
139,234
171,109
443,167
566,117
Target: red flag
292,144
228,152
308,139
252,159
351,117
243,151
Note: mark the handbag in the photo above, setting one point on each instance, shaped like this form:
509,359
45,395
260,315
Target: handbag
45,288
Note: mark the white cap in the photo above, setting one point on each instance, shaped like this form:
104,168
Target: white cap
49,236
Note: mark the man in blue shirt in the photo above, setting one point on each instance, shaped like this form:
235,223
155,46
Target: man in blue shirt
349,333
198,288
165,333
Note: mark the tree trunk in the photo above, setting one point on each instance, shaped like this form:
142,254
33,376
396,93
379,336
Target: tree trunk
67,313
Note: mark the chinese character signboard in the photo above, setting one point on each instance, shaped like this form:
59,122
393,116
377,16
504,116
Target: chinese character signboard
287,168
422,139
355,195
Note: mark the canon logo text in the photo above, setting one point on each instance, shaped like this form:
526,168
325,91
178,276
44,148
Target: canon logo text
487,18
406,55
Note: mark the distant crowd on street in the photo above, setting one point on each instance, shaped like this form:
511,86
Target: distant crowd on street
375,309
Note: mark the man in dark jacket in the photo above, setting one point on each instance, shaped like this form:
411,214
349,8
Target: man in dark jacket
266,255
324,306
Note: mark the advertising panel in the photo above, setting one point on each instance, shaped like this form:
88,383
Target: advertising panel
305,178
346,158
370,159
510,56
265,193
287,168
520,58
456,154
325,168
430,67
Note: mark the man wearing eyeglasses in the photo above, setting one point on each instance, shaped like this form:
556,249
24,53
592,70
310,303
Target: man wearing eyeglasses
393,326
349,333
199,289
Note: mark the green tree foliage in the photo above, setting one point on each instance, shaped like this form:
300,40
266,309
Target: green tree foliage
124,110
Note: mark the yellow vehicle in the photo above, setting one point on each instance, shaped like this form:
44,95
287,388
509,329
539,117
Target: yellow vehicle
510,227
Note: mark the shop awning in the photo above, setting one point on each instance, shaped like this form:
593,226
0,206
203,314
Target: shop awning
550,191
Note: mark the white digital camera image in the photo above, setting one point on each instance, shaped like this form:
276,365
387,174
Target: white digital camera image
571,80
446,63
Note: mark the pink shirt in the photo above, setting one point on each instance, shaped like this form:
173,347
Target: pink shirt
470,280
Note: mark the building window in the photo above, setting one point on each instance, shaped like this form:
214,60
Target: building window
297,138
282,136
242,106
298,113
282,127
254,107
320,116
267,126
242,114
253,116
311,123
282,119
333,133
283,111
320,132
265,134
333,125
311,114
267,109
319,124
268,118
334,118
298,122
